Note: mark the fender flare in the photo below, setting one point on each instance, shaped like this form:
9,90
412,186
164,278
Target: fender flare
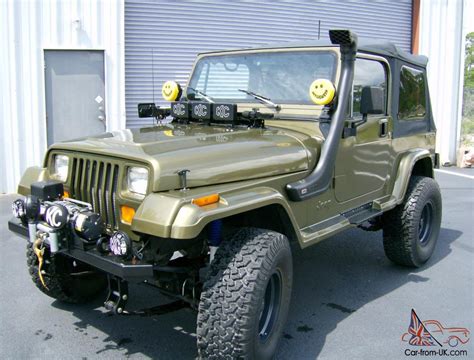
404,171
192,219
31,175
172,217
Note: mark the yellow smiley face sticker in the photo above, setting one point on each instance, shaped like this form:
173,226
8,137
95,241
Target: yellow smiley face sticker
171,91
322,91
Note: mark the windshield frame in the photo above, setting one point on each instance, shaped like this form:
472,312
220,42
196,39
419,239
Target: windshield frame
286,107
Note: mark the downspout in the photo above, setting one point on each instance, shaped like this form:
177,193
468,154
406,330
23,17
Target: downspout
320,179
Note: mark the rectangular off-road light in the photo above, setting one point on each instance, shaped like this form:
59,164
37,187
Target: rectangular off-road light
180,109
224,112
201,111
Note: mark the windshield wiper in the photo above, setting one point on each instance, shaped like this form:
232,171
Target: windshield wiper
262,99
205,96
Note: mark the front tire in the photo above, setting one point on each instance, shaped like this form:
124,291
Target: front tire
67,280
410,231
245,299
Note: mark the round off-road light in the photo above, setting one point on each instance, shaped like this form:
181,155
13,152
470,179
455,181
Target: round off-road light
120,244
57,216
18,208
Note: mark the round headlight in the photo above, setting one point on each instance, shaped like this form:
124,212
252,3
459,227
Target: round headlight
60,167
137,180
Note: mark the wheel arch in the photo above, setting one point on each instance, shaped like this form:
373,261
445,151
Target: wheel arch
270,217
423,167
415,162
261,207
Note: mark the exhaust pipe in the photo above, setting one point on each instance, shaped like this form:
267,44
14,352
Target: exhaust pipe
320,179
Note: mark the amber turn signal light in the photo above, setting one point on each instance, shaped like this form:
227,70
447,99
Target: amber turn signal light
206,200
66,194
127,213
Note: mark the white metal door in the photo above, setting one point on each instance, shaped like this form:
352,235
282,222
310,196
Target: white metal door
75,93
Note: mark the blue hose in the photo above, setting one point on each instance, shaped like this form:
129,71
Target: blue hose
215,232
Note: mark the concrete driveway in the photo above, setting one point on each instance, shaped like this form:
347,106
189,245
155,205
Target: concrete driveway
349,301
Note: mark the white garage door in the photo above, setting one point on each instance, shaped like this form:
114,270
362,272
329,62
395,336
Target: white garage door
162,37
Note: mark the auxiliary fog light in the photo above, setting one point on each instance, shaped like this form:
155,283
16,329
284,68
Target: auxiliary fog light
120,244
57,216
18,208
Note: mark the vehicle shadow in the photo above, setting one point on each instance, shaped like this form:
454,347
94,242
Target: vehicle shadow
168,334
332,280
336,278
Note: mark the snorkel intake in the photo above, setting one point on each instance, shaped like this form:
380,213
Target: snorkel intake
320,179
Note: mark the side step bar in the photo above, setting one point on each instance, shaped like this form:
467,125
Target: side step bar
317,232
361,214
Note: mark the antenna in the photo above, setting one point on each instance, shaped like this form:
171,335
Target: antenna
319,29
153,75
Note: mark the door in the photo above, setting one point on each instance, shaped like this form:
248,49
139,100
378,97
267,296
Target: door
364,161
75,94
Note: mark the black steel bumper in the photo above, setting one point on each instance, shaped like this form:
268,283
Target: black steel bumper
108,264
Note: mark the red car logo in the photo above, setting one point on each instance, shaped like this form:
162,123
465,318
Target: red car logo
431,332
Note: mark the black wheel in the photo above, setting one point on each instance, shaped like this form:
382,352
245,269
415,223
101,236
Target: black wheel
245,299
410,231
67,280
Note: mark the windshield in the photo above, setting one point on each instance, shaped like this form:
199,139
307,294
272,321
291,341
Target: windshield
284,77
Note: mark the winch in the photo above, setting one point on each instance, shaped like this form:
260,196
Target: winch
49,214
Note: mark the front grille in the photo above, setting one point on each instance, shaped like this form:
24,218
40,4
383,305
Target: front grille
95,182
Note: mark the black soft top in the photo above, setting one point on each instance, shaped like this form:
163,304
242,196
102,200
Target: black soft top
371,46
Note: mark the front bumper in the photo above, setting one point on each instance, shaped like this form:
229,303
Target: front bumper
114,265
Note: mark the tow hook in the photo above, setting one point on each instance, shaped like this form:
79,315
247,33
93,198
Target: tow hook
117,296
39,252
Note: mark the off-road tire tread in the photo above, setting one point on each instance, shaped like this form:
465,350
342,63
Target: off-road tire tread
223,325
398,224
56,281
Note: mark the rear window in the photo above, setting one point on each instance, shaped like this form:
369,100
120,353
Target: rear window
412,99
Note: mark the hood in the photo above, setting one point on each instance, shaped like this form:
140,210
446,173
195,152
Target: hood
212,154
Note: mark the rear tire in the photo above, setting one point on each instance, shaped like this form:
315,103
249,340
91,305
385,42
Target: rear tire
67,280
245,299
410,231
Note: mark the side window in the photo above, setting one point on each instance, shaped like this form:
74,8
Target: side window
412,99
367,73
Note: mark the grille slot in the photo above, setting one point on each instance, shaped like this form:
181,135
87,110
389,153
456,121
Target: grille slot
96,182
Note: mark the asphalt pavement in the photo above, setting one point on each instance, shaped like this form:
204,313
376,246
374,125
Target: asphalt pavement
349,301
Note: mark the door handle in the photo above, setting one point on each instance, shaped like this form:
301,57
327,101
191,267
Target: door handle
383,127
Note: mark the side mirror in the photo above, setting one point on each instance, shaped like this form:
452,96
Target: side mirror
372,100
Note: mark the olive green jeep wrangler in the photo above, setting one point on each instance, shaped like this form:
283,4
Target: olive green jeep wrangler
263,147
